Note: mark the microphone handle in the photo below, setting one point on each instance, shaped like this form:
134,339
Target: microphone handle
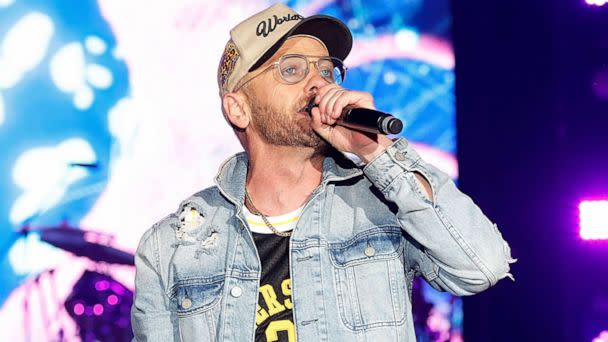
369,120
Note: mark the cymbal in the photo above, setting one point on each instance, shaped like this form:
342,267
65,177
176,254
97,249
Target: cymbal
74,240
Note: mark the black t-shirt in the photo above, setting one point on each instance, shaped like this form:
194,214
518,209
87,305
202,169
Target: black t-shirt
274,317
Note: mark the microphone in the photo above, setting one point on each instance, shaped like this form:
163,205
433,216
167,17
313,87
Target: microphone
367,120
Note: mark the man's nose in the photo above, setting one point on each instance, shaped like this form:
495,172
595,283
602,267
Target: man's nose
314,81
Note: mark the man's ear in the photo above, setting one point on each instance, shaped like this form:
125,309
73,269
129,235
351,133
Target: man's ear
236,109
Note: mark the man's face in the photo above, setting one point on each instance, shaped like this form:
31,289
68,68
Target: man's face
277,107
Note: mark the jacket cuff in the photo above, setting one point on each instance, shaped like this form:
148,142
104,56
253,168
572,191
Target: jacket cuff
396,159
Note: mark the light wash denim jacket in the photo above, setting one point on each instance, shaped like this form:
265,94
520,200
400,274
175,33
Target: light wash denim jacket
362,237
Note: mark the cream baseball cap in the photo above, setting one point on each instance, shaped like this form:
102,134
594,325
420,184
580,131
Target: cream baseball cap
254,40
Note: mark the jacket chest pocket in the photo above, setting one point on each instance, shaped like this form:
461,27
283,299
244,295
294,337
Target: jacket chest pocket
369,278
196,304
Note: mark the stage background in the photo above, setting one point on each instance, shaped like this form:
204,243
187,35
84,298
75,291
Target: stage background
532,103
109,117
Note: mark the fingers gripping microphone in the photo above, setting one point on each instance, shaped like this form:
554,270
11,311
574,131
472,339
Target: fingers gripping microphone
367,120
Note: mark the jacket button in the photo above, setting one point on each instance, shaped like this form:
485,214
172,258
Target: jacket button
236,292
400,156
186,303
369,251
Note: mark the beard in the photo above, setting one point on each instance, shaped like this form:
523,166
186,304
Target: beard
284,127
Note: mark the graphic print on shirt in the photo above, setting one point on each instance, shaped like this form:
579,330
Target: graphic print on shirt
274,314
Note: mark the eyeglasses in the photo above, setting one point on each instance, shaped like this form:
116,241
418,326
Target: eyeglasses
294,68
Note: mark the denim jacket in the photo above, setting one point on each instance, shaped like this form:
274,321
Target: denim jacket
361,239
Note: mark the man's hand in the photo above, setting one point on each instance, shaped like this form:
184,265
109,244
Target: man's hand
332,99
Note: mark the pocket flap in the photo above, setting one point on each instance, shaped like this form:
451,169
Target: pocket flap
196,295
380,243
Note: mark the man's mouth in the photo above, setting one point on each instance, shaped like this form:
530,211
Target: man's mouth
309,106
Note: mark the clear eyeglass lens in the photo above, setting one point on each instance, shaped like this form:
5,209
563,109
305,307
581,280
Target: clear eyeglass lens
332,69
293,69
326,69
338,75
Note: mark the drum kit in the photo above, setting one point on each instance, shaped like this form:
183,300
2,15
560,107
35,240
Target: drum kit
99,305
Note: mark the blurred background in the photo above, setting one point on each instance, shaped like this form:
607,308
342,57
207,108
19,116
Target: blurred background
532,119
109,117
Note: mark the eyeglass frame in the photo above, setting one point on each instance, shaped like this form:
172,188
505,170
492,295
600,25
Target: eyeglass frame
306,57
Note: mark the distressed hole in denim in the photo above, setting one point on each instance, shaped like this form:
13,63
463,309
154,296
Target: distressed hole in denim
206,245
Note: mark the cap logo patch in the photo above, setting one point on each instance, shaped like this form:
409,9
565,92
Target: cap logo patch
265,27
229,58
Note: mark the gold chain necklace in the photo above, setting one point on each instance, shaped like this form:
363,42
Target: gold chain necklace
264,218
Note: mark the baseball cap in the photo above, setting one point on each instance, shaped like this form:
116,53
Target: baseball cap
254,40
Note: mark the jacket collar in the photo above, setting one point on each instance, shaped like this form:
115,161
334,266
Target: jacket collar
231,176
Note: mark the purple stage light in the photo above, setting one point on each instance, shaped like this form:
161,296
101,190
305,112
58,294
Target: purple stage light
112,299
603,337
593,217
98,309
102,285
78,309
104,305
118,288
596,2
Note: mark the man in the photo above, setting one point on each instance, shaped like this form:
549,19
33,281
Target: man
296,241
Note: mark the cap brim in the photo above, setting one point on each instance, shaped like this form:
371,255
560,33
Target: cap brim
332,32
